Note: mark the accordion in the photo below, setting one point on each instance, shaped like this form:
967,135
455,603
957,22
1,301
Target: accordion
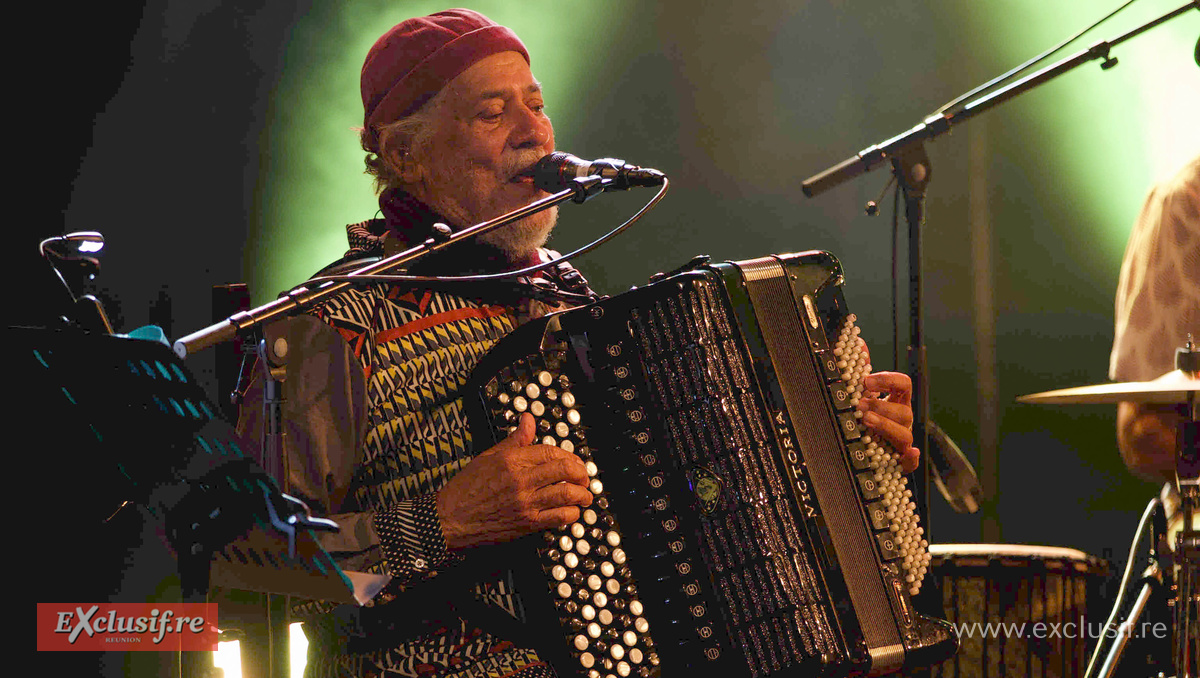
743,521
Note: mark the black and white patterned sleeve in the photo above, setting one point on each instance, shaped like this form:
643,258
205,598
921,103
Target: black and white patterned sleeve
410,534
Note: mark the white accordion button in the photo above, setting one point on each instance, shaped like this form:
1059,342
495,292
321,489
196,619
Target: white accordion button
594,582
635,607
537,408
583,547
581,642
613,538
532,391
641,625
600,599
623,669
573,417
612,586
562,430
558,572
592,469
589,517
565,543
617,651
635,655
520,404
596,486
571,560
593,630
618,556
587,612
587,660
567,445
607,569
545,378
605,617
568,399
564,590
630,639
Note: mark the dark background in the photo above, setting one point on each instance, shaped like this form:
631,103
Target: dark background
161,134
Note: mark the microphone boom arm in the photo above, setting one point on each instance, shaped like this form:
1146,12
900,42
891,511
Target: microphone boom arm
935,125
299,299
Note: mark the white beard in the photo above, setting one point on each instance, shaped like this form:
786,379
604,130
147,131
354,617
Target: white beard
520,238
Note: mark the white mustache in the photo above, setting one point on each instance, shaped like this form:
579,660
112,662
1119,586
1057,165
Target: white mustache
520,165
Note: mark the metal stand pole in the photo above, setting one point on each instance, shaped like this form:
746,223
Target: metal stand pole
1151,579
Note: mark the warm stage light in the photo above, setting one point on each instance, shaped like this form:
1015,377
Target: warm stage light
228,655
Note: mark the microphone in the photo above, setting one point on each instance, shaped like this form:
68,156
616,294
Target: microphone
952,472
558,170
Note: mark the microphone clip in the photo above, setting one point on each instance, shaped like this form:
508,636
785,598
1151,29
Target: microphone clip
586,188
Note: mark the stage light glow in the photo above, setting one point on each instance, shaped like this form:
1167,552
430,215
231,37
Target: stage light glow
1106,133
228,656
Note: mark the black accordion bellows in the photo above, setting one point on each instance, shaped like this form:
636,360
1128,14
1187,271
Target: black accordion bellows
743,521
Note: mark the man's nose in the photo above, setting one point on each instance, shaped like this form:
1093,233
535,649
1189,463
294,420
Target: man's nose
533,130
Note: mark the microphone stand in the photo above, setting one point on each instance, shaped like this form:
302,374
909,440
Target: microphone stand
911,166
299,299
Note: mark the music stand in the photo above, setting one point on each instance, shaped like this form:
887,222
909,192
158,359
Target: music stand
145,434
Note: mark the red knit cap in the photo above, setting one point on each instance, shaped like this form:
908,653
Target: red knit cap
417,58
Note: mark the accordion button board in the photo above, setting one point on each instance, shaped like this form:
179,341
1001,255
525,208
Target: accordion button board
743,520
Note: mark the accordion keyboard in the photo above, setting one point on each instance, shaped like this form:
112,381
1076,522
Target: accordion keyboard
891,506
585,564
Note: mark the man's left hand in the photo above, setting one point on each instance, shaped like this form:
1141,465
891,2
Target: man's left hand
890,414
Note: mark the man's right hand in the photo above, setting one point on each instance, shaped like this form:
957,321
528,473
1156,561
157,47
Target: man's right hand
511,490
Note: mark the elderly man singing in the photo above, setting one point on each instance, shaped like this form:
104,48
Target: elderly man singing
376,433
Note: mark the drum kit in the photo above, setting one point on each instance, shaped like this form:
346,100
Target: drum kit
1023,610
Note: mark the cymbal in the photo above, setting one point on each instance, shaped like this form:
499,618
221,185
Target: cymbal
1170,389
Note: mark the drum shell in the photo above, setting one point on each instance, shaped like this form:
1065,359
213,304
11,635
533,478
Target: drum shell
1053,592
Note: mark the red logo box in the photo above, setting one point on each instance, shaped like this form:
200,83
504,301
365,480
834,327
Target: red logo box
156,627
